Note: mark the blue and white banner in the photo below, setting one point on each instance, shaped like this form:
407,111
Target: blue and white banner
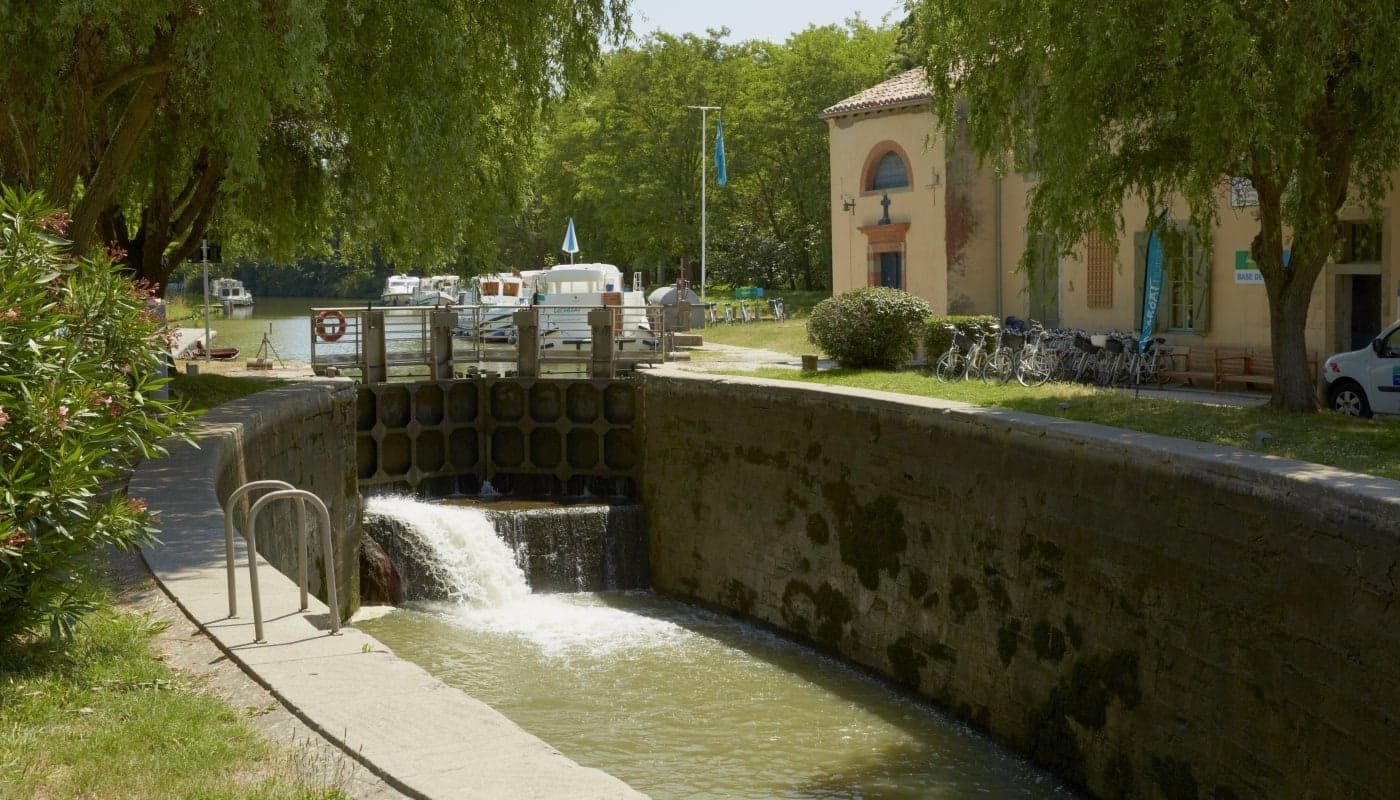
1152,281
570,240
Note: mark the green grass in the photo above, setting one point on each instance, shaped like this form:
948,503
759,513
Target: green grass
1370,447
100,716
204,391
788,336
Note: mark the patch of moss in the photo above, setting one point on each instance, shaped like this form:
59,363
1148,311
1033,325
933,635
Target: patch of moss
1223,793
817,529
814,451
1054,744
1174,778
830,608
1008,641
962,597
871,535
1049,642
738,597
804,564
932,600
906,663
1075,633
996,587
1095,681
918,583
1118,778
943,652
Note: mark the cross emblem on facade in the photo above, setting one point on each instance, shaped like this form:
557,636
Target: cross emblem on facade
885,202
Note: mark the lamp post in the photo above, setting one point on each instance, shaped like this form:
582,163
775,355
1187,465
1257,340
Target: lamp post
703,111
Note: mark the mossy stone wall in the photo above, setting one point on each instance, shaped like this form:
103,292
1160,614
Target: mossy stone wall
1147,617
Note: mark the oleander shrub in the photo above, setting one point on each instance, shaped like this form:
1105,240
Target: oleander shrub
79,367
872,327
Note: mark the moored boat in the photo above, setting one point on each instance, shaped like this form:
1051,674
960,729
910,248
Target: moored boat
230,292
399,290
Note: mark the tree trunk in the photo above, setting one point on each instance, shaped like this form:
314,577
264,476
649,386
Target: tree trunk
1294,388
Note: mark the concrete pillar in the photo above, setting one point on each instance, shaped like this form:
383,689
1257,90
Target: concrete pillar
374,353
440,325
604,324
683,316
527,330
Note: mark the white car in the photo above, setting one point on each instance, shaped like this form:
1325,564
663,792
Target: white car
1366,381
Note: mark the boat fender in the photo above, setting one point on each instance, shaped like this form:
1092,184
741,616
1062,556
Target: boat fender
330,325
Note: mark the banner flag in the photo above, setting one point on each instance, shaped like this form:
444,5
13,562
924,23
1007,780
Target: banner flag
1152,281
570,241
721,177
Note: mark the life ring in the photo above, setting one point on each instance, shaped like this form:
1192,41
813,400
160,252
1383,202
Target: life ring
333,331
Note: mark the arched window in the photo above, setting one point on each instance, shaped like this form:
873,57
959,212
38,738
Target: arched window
890,173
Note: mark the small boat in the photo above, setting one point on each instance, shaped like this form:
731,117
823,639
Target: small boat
230,293
437,290
564,294
493,298
217,354
399,290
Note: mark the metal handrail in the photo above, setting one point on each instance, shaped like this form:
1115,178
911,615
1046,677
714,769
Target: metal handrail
327,550
233,499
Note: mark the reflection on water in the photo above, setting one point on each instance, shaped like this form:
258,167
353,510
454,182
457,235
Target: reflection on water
683,703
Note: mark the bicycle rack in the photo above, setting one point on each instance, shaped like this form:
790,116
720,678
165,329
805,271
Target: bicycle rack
327,548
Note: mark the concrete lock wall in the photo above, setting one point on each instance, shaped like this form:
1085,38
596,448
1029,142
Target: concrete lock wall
1147,617
304,435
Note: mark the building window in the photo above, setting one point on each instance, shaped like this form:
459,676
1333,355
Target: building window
1358,242
890,173
1099,257
891,269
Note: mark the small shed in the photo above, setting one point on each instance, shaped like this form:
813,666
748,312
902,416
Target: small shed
669,298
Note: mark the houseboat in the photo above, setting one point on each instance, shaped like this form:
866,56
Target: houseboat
230,293
399,290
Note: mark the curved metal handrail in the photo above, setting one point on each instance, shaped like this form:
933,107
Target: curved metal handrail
233,499
327,550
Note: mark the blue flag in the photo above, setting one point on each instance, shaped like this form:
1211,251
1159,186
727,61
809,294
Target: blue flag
1152,281
721,177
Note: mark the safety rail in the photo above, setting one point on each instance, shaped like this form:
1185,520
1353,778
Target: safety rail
457,341
280,490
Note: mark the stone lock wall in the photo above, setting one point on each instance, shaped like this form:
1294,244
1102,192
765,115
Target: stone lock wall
1145,616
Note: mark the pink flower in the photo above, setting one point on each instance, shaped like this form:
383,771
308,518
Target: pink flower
12,313
4,418
136,505
115,252
62,417
56,222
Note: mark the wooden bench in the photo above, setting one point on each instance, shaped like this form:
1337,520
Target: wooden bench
1255,368
1191,365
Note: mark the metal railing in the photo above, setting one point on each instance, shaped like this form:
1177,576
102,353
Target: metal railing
280,490
457,341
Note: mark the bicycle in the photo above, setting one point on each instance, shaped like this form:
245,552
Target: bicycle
953,363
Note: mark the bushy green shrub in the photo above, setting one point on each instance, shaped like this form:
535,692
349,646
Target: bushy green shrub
872,327
79,363
938,338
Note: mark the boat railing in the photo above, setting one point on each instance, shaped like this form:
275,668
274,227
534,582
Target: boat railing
416,342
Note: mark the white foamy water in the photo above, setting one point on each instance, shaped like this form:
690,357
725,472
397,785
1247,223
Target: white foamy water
477,567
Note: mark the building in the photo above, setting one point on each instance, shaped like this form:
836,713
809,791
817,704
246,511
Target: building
910,212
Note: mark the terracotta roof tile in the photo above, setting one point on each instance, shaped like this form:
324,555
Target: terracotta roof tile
909,88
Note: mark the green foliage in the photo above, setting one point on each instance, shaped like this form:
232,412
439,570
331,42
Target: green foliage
938,337
872,327
80,364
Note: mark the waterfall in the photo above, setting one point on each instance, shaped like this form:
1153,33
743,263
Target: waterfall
446,552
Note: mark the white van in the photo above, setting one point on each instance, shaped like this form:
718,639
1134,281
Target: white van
1366,381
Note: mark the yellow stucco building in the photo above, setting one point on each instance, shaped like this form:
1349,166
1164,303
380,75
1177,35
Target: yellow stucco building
910,212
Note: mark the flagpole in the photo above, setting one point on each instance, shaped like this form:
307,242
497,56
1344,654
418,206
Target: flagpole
703,180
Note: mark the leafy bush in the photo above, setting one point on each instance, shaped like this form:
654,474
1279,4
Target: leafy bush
79,359
938,338
872,327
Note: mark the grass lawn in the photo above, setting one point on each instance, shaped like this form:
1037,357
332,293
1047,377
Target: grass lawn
101,716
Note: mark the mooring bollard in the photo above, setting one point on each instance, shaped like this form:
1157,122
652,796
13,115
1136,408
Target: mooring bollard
809,363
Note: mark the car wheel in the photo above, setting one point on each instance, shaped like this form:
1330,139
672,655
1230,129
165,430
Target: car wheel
1348,398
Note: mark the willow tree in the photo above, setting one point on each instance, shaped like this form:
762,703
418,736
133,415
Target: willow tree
405,124
1168,99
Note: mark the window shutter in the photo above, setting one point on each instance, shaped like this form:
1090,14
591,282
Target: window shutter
1099,265
1200,283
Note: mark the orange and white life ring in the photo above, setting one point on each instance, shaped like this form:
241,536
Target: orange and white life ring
330,325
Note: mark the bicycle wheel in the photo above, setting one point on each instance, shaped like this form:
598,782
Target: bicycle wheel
998,367
1035,369
949,366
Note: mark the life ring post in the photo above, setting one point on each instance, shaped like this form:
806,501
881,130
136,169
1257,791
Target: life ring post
331,325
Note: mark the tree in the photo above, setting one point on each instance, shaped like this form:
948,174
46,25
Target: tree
403,125
1173,98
